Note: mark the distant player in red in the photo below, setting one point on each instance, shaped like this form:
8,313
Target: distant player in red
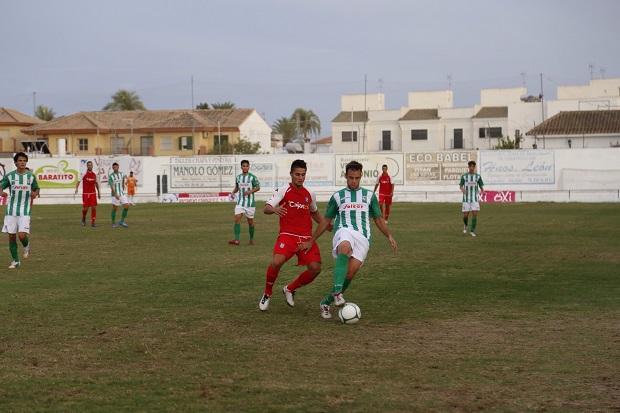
296,207
386,191
90,194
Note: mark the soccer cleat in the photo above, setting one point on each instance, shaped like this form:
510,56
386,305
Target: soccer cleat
251,242
83,223
473,234
93,225
114,225
464,229
386,221
27,251
234,242
339,299
263,304
289,296
325,312
14,264
123,224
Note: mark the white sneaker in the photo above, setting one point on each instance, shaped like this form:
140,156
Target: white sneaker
289,296
14,264
464,229
325,312
386,221
27,251
339,300
473,234
263,304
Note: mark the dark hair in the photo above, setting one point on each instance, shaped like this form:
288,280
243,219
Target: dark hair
298,163
245,161
115,163
20,155
470,163
87,162
384,166
130,172
353,166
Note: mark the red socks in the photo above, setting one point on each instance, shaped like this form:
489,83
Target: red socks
271,276
84,211
302,279
387,211
93,214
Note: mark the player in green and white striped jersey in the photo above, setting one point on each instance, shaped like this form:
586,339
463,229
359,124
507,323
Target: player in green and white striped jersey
352,208
23,189
118,181
472,187
246,184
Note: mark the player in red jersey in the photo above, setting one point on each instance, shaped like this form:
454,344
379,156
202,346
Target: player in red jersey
386,191
90,194
296,207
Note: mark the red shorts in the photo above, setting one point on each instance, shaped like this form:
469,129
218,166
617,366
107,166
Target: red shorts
89,200
287,245
385,199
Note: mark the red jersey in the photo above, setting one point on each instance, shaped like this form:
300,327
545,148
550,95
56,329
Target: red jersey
299,204
385,184
89,179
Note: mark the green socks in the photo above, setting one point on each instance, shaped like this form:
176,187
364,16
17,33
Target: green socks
474,221
251,232
329,298
13,249
25,242
124,214
340,272
465,220
113,216
237,231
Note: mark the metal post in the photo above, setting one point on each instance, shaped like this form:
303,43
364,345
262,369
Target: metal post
219,145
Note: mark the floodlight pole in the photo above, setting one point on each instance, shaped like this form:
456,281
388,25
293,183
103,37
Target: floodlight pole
219,145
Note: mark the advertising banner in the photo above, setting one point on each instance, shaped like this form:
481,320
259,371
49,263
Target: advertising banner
202,171
192,198
372,167
320,169
54,173
437,168
491,197
102,166
523,166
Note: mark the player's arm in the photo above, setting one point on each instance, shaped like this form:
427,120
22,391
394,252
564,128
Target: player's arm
481,185
273,205
255,187
330,213
462,184
111,183
375,213
97,188
392,193
77,185
376,186
34,188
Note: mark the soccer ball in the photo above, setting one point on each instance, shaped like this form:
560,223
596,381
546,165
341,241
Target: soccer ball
350,313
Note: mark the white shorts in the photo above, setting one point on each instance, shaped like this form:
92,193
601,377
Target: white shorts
13,225
122,201
247,211
471,206
359,243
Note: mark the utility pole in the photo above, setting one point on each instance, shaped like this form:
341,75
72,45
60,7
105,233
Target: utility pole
591,67
365,113
542,105
192,81
449,77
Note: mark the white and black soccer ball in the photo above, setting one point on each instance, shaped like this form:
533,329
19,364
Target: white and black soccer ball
349,313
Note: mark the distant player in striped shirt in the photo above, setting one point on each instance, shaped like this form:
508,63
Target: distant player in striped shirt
472,187
118,181
90,194
352,208
23,189
246,184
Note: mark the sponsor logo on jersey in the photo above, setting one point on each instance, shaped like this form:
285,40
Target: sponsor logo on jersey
352,205
297,205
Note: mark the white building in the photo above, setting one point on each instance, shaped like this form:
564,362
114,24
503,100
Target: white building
430,122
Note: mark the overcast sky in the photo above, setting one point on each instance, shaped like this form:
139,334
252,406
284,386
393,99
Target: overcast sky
276,55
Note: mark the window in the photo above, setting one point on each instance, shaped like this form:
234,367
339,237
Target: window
186,143
490,132
220,142
419,134
348,136
83,144
118,144
165,143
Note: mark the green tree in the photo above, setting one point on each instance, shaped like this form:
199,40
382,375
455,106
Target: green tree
506,143
241,147
286,127
223,105
125,100
307,121
44,113
203,105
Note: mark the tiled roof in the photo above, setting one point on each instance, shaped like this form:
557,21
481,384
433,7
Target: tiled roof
358,116
421,114
146,121
582,122
492,112
13,117
323,141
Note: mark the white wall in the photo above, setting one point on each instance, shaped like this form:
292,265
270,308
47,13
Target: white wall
431,99
501,97
255,129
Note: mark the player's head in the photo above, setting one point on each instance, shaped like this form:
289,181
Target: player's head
130,173
245,166
20,159
384,168
353,173
471,165
115,166
298,172
89,165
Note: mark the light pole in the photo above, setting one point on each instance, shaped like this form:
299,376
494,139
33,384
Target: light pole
219,146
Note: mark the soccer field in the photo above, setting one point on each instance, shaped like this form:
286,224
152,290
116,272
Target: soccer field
163,316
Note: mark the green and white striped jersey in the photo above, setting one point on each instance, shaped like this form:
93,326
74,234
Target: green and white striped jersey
471,183
246,183
353,209
116,181
20,196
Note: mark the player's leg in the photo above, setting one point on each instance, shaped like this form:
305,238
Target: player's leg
84,211
115,205
465,221
93,215
382,208
388,206
251,229
273,269
237,225
23,238
353,268
313,269
122,222
342,251
13,250
474,222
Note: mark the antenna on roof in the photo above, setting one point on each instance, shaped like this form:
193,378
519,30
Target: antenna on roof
449,77
591,68
602,72
192,81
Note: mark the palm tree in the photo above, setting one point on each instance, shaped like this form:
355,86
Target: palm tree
125,100
203,105
223,105
286,127
44,113
307,121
